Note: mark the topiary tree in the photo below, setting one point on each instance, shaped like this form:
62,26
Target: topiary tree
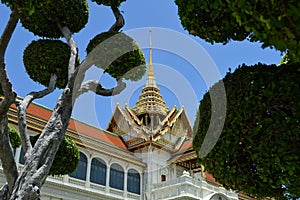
55,64
66,158
258,150
50,57
14,137
274,23
43,18
121,66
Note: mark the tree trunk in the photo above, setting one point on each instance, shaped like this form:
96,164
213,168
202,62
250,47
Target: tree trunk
7,159
40,157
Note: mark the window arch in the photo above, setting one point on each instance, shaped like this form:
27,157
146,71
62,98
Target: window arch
116,179
98,171
133,181
218,196
80,172
21,158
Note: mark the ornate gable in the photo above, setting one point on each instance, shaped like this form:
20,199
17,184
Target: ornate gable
150,121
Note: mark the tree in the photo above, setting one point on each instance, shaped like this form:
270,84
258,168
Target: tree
261,104
55,64
258,150
274,23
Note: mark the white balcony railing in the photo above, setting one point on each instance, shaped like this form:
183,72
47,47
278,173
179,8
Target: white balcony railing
92,187
186,187
73,183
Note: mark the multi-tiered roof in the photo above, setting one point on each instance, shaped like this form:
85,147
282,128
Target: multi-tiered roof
150,121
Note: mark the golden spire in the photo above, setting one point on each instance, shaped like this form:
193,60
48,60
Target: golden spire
150,101
151,78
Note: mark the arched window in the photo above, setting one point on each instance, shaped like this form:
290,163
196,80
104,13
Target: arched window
21,158
219,196
80,172
116,179
133,181
98,171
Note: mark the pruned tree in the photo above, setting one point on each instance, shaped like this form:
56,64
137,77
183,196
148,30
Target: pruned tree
274,23
258,151
55,64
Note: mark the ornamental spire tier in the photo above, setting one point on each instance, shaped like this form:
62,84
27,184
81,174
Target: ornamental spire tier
151,101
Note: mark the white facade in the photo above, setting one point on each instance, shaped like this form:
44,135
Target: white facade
152,187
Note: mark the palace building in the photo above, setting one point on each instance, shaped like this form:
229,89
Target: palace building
144,154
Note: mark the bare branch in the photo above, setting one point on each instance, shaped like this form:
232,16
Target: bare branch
120,22
22,105
74,49
96,87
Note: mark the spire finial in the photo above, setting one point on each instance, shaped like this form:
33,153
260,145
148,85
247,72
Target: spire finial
151,77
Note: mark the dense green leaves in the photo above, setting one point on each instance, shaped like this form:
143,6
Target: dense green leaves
14,137
274,23
258,151
130,65
115,3
66,158
42,17
45,57
212,22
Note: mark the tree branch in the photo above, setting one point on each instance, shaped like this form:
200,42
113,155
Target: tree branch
8,92
4,192
96,87
6,154
120,22
22,105
8,31
74,49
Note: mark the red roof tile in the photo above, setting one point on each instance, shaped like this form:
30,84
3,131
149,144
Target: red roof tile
77,126
186,145
210,177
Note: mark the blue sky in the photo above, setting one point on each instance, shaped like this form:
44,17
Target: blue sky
175,74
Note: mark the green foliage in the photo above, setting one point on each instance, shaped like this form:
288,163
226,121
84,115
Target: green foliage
287,59
41,17
258,151
45,57
115,3
130,65
274,23
66,158
211,22
14,137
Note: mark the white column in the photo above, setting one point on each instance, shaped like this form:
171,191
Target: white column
88,173
125,183
107,179
141,184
